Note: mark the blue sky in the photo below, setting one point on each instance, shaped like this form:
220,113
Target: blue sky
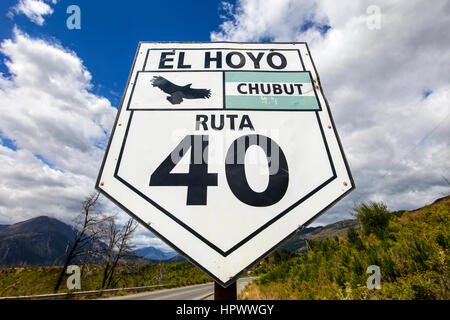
111,30
382,69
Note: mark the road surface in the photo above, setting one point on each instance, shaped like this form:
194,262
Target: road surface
196,292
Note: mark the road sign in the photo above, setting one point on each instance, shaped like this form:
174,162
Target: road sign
224,150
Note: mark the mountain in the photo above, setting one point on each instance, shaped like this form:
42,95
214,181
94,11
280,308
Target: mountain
38,241
154,254
177,258
43,241
298,242
337,229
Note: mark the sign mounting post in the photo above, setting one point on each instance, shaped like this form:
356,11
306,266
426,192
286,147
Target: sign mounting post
224,150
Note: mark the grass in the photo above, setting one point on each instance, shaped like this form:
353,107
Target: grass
41,280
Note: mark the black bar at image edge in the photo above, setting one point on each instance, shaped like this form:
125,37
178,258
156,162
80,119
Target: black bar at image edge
261,309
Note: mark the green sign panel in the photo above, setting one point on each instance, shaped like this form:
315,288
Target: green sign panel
270,91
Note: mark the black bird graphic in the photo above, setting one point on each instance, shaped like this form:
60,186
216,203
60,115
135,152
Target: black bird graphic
178,93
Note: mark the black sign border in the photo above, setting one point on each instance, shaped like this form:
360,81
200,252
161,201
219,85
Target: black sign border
233,279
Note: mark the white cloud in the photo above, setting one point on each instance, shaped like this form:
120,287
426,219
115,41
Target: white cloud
35,10
58,128
29,188
395,137
53,132
275,19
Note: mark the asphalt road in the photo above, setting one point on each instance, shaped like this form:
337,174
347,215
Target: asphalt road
197,292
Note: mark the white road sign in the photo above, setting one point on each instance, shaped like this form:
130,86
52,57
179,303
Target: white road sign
224,150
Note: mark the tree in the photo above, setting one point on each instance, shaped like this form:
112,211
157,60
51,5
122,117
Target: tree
86,234
373,217
159,277
354,239
117,247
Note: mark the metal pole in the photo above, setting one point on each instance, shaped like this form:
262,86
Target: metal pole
228,293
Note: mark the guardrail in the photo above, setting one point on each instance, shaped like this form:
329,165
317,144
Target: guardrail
79,293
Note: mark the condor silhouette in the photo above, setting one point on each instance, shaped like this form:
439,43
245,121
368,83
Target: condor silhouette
178,93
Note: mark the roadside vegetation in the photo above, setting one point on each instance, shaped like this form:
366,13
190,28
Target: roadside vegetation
41,280
411,249
103,251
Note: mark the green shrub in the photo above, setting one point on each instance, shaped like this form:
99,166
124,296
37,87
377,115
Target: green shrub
354,238
374,218
411,249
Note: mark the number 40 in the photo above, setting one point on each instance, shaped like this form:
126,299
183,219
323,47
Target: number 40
198,179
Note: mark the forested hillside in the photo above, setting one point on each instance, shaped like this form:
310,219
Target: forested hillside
410,247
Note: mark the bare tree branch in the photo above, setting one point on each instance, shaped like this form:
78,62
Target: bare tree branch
86,234
118,247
